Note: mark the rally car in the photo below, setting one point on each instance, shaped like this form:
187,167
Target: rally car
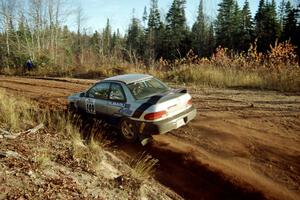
138,104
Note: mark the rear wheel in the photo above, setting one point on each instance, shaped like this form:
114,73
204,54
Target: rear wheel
128,131
71,108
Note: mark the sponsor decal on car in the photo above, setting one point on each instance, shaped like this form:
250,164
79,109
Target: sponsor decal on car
90,106
126,111
117,104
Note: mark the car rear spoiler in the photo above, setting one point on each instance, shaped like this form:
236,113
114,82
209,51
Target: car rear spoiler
180,90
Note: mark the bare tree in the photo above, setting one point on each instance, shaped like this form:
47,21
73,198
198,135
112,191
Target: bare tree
7,9
80,18
36,16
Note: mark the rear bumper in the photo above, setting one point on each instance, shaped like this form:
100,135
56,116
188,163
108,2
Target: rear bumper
164,126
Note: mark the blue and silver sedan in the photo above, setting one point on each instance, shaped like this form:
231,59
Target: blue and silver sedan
138,104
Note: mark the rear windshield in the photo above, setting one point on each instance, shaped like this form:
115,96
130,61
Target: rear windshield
147,88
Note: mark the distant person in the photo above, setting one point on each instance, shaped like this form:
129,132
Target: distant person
29,64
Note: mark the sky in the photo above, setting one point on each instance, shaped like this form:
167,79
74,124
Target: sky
120,12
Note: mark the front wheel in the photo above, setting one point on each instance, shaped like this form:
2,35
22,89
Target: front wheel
71,108
128,130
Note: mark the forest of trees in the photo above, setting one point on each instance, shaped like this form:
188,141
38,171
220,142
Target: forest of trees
37,30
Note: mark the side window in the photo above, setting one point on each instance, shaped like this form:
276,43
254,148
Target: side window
99,91
116,92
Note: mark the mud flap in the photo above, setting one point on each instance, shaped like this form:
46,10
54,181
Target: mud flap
144,138
147,140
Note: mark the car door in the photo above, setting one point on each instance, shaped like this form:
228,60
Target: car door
96,99
117,100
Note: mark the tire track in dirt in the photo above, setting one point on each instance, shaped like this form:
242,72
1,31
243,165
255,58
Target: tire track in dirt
44,82
38,89
233,150
47,92
66,80
36,84
189,177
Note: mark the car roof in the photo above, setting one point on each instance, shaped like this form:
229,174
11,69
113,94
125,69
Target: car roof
129,78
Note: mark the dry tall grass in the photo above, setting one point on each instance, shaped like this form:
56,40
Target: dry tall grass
18,114
90,152
278,69
143,166
58,163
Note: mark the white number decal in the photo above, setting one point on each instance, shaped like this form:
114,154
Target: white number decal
90,106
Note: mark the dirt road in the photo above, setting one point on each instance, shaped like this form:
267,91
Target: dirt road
243,144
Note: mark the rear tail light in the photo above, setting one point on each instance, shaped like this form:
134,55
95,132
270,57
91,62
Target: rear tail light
155,115
190,102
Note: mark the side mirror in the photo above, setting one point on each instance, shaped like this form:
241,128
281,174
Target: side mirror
82,94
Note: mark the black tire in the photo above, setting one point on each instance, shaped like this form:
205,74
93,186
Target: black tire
71,109
128,130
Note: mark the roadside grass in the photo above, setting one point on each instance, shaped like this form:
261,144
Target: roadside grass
65,155
143,166
16,113
90,152
19,114
278,69
86,138
287,80
210,76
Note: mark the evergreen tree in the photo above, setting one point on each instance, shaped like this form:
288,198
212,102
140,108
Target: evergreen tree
289,23
210,41
203,34
135,38
199,32
237,28
272,25
114,40
106,39
267,25
117,43
281,13
95,42
259,19
247,27
178,38
145,16
154,16
153,31
160,38
40,35
225,24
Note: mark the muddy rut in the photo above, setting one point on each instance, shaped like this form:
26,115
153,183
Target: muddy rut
242,145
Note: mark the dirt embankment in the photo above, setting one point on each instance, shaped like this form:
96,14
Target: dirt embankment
242,145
